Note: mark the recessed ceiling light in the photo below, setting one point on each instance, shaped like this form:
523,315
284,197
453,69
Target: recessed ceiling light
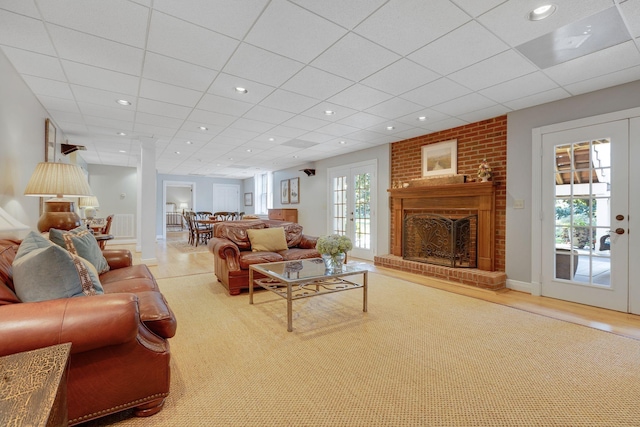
343,142
230,158
422,118
295,157
542,12
390,127
329,112
241,90
203,128
249,150
189,143
121,151
177,152
123,102
121,134
272,139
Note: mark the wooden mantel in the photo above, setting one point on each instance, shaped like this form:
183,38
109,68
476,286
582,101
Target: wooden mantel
473,196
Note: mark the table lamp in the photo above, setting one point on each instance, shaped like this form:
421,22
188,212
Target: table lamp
184,206
10,228
58,180
89,204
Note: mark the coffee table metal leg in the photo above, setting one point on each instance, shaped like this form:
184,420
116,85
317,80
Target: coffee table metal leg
250,285
365,286
289,309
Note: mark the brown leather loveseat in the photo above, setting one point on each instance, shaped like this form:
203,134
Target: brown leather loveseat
232,251
119,354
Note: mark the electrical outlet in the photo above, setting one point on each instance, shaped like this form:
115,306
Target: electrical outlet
518,204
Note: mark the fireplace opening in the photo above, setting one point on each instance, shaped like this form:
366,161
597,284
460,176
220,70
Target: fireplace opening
441,240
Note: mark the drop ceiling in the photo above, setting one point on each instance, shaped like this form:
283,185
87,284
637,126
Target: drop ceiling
377,65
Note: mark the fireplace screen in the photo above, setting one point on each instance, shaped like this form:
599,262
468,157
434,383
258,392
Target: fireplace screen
436,239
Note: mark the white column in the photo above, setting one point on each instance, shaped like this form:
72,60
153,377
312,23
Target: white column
147,200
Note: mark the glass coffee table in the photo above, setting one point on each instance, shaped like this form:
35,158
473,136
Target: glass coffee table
305,278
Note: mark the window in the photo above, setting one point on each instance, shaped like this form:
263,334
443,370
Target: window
264,193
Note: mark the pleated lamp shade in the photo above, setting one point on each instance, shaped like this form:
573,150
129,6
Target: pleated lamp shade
88,202
58,180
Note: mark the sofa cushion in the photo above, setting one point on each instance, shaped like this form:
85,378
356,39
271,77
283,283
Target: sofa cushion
44,271
267,239
236,231
299,253
80,241
248,258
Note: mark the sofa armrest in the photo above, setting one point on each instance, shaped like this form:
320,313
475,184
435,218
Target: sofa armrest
118,258
308,242
227,250
87,322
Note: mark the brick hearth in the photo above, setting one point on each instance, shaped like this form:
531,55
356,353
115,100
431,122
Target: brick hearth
493,280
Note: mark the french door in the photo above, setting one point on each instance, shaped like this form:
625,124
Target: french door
352,206
585,215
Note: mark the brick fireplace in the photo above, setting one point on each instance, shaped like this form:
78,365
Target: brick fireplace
476,141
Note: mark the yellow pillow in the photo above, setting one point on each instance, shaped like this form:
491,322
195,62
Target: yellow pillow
267,239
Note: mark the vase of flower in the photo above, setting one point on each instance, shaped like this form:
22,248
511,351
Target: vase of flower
333,249
484,171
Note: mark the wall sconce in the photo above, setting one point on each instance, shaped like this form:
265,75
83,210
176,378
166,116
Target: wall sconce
89,204
58,180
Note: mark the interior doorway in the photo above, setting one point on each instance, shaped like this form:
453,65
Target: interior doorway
177,196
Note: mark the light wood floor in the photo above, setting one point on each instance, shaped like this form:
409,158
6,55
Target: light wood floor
173,262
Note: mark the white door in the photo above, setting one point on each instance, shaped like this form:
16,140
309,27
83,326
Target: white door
585,215
352,206
226,198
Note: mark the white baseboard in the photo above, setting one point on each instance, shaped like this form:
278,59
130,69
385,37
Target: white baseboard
123,241
517,285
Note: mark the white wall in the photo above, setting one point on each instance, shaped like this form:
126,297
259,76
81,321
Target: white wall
519,143
116,188
22,121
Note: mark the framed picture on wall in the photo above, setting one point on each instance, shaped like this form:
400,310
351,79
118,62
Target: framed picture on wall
294,190
284,192
440,158
49,141
248,199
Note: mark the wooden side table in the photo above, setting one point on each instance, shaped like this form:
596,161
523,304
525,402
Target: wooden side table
33,387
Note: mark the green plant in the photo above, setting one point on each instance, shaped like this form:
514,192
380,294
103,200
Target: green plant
333,244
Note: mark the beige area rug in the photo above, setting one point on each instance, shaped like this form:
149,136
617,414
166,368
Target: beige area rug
184,246
419,357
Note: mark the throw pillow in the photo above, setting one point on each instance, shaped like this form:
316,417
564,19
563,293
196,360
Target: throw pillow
44,271
267,239
81,242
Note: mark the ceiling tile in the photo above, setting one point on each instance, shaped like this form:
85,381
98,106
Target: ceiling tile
226,84
464,104
176,72
114,113
58,104
404,26
95,51
187,42
519,87
117,20
24,33
211,118
631,11
219,104
363,120
316,83
606,80
269,115
502,67
476,8
221,16
354,58
35,64
151,89
288,101
436,92
22,7
106,98
347,13
86,75
261,66
537,99
163,108
360,97
395,107
471,43
400,77
603,62
306,123
281,19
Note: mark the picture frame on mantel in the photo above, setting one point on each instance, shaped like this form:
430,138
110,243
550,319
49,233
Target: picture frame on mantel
284,192
440,158
49,141
294,190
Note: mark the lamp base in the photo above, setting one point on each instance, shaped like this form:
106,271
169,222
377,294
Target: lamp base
60,214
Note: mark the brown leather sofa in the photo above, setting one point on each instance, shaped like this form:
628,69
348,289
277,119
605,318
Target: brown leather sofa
119,354
232,254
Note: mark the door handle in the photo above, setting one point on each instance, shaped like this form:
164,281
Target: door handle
619,217
619,231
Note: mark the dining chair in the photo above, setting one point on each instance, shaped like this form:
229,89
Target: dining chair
105,230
